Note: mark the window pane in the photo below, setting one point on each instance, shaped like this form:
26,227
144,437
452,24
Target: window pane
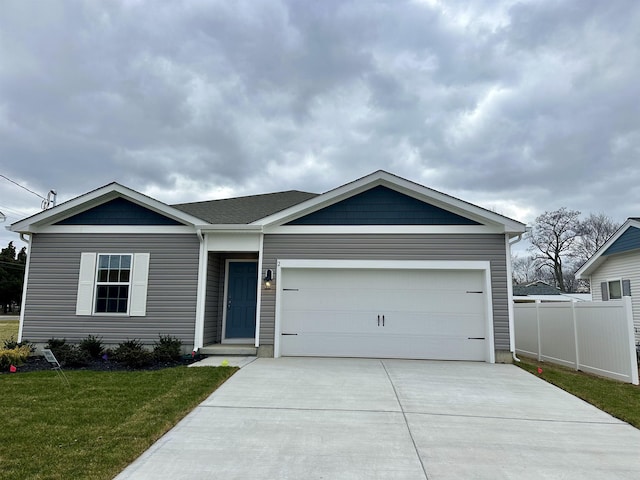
615,290
103,275
112,305
123,292
125,262
124,275
103,262
113,276
102,292
114,261
122,306
101,306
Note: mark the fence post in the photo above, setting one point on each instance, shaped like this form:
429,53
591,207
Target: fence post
628,312
575,333
538,327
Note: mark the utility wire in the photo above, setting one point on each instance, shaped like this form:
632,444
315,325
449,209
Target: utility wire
25,188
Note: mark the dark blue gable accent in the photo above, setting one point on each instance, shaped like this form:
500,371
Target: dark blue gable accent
118,212
382,206
629,240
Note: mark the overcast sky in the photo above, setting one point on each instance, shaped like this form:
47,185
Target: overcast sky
517,106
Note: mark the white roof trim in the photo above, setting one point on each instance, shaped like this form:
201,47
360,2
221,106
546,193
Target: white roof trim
97,197
398,184
597,259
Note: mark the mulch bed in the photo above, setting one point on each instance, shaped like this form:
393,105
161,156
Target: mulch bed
37,363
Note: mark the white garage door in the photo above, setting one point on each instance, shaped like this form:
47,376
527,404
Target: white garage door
421,314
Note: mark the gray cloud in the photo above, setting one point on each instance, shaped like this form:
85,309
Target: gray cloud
520,106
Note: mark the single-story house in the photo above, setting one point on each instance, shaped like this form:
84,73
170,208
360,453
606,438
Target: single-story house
379,267
614,270
542,291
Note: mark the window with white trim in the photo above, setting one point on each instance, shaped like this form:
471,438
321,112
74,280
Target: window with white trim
615,289
112,283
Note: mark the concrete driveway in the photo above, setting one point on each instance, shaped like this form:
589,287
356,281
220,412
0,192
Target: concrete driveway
321,418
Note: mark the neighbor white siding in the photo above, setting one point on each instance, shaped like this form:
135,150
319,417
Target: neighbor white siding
621,266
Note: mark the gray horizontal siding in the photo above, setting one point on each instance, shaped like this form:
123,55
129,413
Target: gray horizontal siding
212,317
53,284
392,247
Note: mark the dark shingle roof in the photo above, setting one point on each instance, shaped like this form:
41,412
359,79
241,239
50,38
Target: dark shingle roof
244,210
536,288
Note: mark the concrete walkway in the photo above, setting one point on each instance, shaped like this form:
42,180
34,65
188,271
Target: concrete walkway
320,418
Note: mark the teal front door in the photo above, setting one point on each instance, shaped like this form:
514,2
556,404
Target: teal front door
242,288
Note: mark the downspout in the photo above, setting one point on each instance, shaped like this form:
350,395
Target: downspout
25,282
512,334
201,292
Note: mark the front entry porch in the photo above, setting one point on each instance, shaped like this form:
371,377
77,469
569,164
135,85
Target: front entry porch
231,303
229,349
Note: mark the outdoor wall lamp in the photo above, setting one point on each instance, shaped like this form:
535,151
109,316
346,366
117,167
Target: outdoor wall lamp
268,278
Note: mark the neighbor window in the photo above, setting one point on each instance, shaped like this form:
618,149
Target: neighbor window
615,290
113,281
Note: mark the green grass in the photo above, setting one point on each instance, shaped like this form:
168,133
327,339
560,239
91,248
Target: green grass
622,400
8,329
96,427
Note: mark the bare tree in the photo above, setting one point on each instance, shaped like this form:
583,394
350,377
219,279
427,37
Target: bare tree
523,270
553,238
594,232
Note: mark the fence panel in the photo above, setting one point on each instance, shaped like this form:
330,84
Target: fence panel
596,337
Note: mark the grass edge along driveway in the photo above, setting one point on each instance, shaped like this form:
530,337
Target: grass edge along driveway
99,425
622,400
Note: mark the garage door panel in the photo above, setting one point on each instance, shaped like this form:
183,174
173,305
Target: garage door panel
409,323
378,346
317,321
437,314
336,299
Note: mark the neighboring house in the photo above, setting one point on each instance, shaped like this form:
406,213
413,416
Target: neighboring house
379,267
614,270
544,292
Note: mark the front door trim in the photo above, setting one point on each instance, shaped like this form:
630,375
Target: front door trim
224,305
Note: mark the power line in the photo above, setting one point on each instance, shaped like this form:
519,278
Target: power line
24,188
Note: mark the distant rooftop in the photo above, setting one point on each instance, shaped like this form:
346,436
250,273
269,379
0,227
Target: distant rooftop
535,288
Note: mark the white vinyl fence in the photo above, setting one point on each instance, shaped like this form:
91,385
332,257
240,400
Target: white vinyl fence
595,337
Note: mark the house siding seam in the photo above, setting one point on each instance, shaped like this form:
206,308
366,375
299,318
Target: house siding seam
474,247
50,309
620,266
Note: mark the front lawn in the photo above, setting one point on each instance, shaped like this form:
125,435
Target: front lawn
622,400
97,426
8,329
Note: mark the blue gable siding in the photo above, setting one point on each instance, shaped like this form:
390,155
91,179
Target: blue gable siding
382,206
629,240
118,212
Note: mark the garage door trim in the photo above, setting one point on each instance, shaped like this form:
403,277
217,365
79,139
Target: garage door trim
483,266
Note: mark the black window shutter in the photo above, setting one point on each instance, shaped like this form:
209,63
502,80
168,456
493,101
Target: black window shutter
605,291
626,288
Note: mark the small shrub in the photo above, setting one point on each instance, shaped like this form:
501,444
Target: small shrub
13,356
54,343
167,349
11,343
92,345
68,354
74,356
133,354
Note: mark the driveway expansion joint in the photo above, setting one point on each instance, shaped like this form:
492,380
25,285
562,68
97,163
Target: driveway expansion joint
406,421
